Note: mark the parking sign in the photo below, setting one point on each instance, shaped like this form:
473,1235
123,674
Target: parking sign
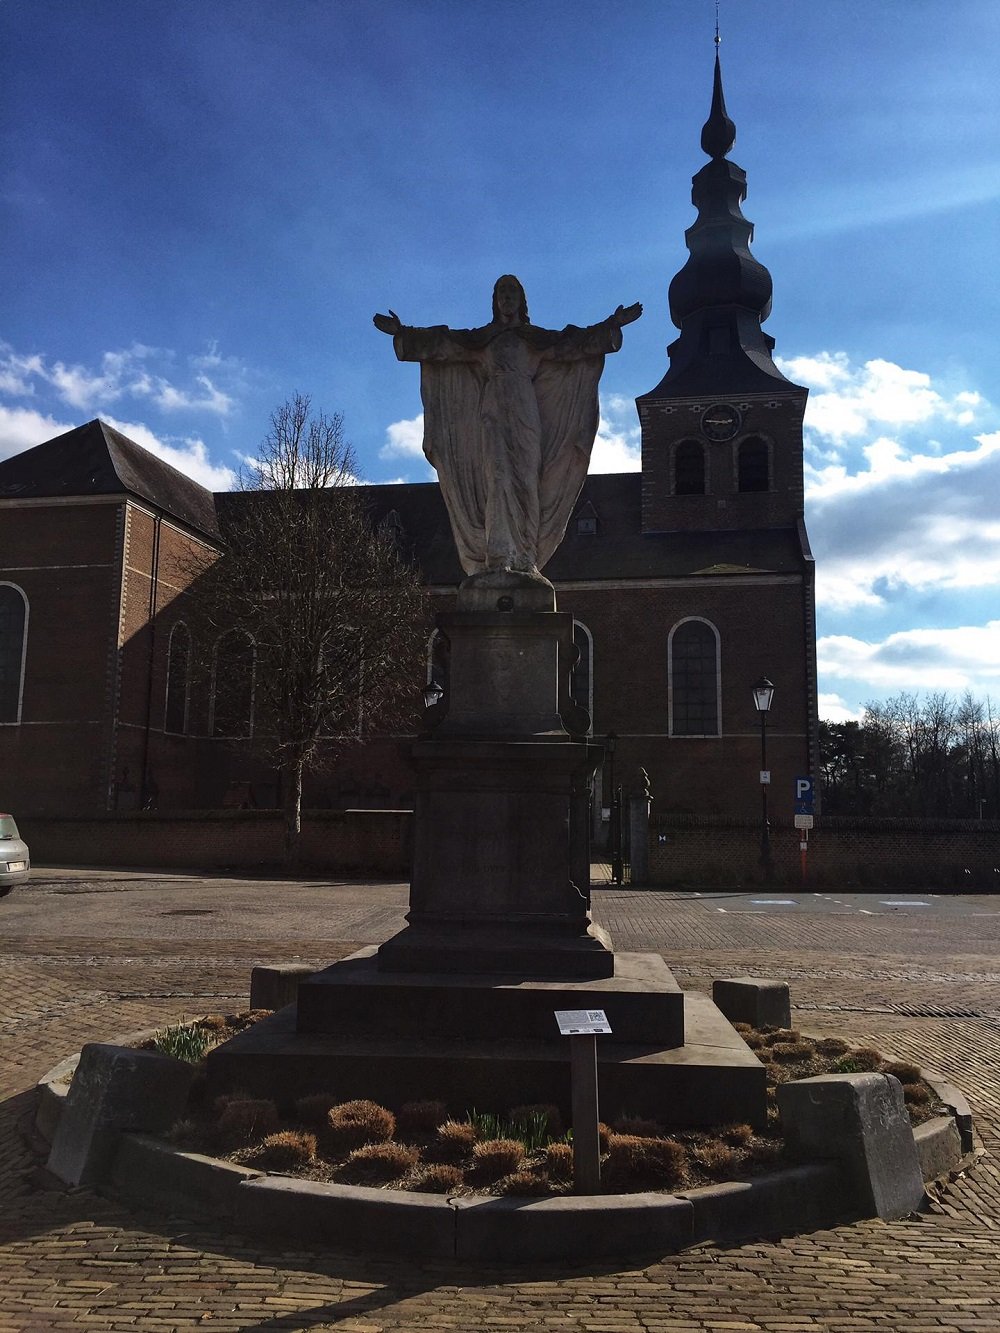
803,796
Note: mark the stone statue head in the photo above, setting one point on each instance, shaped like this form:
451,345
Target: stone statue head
504,293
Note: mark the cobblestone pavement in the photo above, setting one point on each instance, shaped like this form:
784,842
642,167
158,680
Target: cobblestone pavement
93,955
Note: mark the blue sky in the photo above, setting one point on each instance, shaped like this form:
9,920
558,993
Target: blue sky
204,201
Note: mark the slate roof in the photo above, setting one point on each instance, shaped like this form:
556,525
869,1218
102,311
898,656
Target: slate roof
619,550
96,459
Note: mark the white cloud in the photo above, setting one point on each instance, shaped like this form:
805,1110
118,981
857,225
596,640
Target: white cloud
16,372
172,399
137,372
22,428
890,462
617,447
832,708
188,455
955,659
404,439
850,401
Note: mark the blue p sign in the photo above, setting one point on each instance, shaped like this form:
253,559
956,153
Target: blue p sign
803,796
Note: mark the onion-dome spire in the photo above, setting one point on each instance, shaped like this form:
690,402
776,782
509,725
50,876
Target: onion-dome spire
722,295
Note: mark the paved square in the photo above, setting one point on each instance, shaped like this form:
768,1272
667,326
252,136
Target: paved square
91,955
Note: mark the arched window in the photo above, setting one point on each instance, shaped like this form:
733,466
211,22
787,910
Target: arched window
175,711
689,468
693,672
581,681
231,712
13,643
753,465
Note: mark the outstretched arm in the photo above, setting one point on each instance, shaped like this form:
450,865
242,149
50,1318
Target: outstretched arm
390,323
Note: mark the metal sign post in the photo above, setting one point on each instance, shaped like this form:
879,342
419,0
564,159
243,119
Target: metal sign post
582,1026
804,802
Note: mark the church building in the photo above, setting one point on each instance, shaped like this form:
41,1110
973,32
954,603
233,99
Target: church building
688,582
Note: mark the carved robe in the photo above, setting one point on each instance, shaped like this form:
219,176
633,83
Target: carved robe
510,416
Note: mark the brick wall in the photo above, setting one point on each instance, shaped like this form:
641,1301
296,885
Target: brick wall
373,842
844,852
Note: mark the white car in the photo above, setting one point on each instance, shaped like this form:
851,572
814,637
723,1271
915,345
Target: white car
15,863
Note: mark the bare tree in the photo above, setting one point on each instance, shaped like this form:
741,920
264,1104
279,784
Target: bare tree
334,617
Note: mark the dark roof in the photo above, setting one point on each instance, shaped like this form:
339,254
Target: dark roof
96,459
619,550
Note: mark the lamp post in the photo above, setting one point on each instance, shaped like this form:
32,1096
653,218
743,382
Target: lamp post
763,694
614,823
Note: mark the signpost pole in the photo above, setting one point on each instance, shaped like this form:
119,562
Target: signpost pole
583,1092
582,1027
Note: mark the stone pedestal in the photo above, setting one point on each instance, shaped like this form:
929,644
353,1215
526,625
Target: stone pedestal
501,868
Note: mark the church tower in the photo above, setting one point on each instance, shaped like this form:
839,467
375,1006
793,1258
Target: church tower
722,431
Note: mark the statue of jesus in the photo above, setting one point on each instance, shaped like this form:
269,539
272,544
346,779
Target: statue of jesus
510,416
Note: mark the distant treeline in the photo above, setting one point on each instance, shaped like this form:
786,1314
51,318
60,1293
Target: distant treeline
937,757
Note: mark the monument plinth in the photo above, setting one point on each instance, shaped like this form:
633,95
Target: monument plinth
501,866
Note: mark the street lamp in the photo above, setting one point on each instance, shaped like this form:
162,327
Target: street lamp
763,694
433,694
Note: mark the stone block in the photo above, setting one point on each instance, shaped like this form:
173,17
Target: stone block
861,1120
774,1204
749,1000
114,1088
274,986
939,1146
188,1183
352,1217
571,1230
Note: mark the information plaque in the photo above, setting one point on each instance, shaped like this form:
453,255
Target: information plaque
581,1022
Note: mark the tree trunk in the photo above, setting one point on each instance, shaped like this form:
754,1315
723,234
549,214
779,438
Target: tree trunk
291,783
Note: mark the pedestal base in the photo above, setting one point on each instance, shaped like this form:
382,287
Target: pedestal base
712,1078
527,951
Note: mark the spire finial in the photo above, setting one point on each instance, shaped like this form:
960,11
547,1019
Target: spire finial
718,133
718,39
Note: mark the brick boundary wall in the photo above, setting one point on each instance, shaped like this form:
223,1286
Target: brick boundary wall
843,851
369,842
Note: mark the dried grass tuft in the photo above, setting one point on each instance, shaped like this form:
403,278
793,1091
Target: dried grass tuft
866,1059
832,1046
559,1162
243,1121
439,1178
717,1159
378,1163
454,1140
631,1158
285,1150
791,1052
496,1158
738,1135
351,1125
903,1070
213,1023
524,1182
916,1094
